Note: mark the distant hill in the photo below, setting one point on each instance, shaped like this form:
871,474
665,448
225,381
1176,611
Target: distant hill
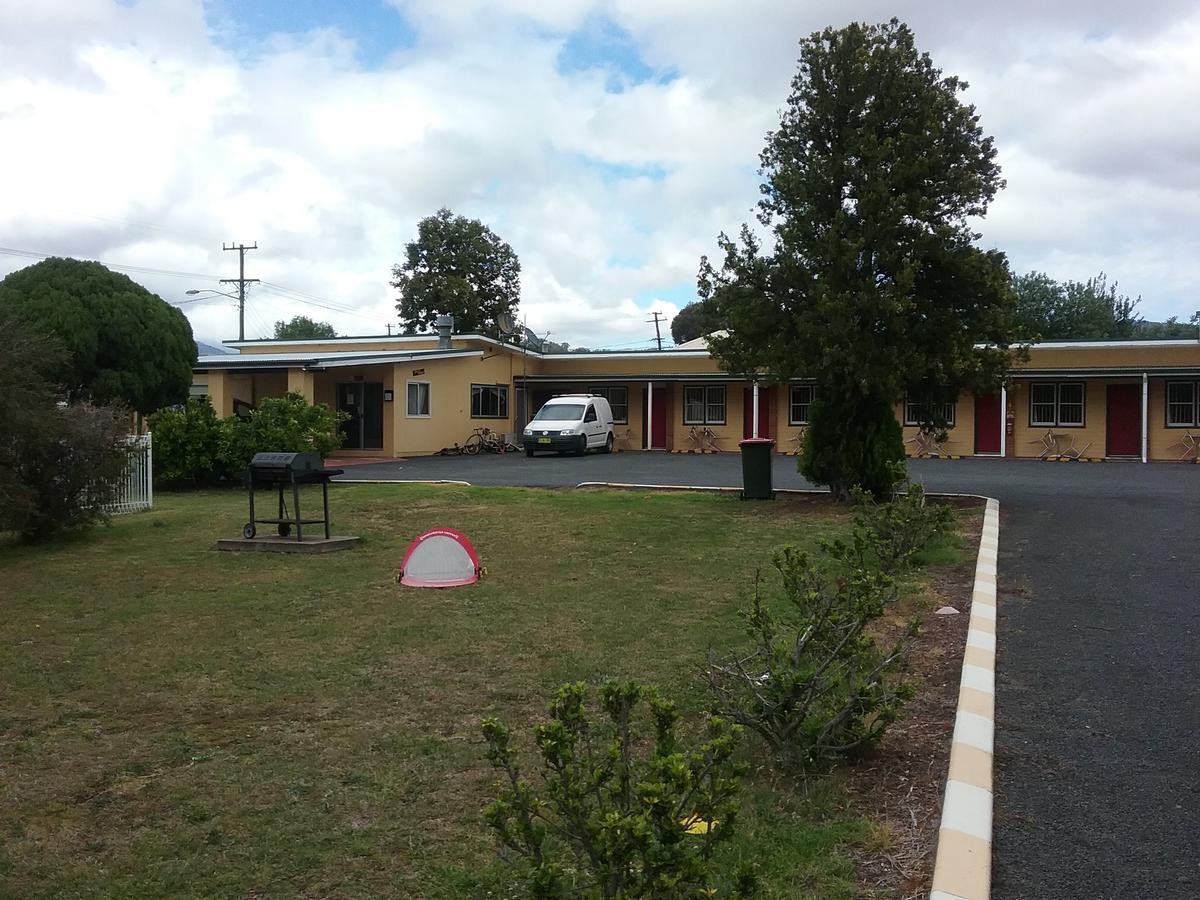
203,349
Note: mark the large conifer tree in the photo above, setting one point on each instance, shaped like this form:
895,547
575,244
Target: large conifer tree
873,284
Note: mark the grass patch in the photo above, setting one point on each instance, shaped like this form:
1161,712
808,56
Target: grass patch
183,722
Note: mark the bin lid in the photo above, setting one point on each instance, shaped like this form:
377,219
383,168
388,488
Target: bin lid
745,441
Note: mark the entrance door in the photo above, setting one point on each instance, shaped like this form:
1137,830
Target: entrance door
987,424
1124,420
658,428
764,412
362,401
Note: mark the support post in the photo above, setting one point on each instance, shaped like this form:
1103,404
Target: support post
149,471
1145,415
296,510
649,415
1003,421
754,414
303,382
325,501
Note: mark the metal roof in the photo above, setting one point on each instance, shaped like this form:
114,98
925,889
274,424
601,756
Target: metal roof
330,360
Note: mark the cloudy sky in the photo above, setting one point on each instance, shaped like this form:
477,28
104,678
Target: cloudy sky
608,142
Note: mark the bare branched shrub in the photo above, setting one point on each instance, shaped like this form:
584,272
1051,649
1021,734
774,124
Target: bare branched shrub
814,684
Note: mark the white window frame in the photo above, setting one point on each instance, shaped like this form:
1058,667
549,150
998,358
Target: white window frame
606,393
1195,405
408,413
502,401
708,391
807,404
1056,421
912,412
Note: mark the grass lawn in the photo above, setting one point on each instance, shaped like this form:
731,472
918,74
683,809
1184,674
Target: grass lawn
180,722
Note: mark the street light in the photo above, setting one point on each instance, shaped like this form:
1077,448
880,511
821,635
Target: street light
241,306
194,291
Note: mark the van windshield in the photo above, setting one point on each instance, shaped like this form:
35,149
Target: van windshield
559,412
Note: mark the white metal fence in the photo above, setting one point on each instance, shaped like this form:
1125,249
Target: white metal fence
136,488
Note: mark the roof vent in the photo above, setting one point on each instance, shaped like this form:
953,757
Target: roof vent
445,326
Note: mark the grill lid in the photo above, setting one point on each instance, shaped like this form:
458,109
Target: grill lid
287,462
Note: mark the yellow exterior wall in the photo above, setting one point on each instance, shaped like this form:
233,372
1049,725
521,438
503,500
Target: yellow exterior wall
960,439
638,365
450,419
1089,439
1166,443
302,383
219,395
450,380
1132,355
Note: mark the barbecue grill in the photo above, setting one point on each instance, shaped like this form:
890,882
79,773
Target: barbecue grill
281,470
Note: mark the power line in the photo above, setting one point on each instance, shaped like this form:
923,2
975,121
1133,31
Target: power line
140,270
289,295
298,293
278,289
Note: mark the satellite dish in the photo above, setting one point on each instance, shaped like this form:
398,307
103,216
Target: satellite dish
532,340
506,324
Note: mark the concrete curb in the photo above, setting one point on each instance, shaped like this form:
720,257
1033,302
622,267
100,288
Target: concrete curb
399,481
963,867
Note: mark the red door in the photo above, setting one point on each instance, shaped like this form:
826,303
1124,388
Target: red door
1124,420
987,423
764,412
658,429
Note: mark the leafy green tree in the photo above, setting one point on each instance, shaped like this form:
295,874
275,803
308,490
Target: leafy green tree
456,266
1171,328
873,285
1049,310
285,424
189,444
695,320
123,344
302,328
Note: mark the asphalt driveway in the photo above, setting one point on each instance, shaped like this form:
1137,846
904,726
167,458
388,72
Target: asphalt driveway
1098,686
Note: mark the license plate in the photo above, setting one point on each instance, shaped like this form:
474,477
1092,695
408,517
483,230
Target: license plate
543,440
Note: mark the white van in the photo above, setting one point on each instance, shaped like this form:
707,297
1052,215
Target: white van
575,422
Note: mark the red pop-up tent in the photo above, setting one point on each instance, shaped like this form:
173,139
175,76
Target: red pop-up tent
440,558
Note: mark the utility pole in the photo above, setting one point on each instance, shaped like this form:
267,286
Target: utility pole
658,317
240,281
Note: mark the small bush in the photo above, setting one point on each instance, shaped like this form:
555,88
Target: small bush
613,817
852,442
893,532
284,424
193,447
65,468
814,685
188,444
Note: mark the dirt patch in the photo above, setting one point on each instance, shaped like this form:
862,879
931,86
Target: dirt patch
899,786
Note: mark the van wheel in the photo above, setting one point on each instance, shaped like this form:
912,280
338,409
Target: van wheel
608,444
582,451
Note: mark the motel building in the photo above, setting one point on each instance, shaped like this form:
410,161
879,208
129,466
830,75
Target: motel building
415,395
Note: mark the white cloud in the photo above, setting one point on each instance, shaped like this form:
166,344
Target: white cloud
133,135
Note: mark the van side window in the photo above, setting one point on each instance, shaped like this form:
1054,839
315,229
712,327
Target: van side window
591,414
